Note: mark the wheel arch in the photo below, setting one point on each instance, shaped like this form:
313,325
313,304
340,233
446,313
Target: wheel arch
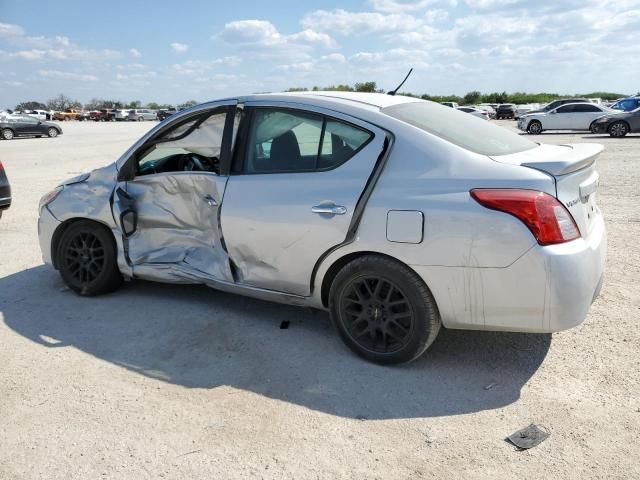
339,263
64,226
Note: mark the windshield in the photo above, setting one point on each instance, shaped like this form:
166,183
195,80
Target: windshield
459,128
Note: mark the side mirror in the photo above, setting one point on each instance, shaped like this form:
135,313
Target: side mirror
129,222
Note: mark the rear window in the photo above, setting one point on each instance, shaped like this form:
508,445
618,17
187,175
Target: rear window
463,130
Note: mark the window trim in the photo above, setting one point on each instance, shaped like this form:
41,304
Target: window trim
240,153
129,170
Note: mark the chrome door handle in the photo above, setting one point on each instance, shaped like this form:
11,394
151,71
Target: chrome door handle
210,201
329,209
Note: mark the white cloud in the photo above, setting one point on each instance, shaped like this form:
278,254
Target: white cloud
396,6
198,67
13,83
9,30
264,34
179,47
67,75
135,52
358,23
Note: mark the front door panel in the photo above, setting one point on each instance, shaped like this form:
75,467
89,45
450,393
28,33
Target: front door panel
177,232
274,226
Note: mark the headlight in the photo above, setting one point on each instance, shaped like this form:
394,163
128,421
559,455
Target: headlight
49,197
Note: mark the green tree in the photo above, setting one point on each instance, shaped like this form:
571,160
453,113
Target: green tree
365,87
187,104
472,98
33,105
62,103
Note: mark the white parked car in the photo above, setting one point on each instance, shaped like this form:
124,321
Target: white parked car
570,116
39,114
526,108
476,112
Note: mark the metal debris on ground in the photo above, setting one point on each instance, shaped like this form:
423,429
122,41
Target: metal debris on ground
528,437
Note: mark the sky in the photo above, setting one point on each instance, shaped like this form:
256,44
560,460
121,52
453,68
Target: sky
170,52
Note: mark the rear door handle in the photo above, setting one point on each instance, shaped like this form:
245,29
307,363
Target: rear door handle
329,209
210,200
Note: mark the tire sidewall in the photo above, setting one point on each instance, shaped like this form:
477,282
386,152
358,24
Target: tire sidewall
12,135
421,328
535,124
626,129
55,132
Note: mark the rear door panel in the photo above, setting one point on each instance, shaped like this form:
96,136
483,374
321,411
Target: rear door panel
273,237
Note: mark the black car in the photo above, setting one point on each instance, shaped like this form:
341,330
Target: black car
166,113
5,191
26,126
506,110
618,124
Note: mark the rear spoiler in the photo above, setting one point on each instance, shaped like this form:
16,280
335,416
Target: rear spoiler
555,159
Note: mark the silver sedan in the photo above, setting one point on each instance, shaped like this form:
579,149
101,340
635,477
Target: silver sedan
396,215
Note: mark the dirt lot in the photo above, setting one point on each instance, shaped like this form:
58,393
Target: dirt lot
161,381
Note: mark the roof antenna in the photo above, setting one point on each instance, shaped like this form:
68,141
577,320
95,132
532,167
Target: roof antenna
393,92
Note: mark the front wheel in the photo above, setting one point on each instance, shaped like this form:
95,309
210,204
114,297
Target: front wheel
7,134
52,132
535,128
87,259
618,129
383,310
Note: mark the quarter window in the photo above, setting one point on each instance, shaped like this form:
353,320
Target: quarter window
283,140
565,109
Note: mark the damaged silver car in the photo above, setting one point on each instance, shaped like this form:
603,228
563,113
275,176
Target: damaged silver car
395,214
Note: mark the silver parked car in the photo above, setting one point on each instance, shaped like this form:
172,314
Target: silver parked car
395,214
142,114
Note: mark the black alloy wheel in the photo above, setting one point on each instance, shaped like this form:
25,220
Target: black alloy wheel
382,310
87,259
377,314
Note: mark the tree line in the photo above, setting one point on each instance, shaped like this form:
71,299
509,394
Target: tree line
63,103
471,98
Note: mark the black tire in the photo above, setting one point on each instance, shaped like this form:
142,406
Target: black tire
534,127
618,129
7,134
383,310
52,132
87,259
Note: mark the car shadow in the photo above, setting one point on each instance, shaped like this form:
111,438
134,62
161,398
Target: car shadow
201,338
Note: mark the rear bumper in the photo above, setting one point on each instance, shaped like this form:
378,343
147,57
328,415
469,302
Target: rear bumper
5,196
548,289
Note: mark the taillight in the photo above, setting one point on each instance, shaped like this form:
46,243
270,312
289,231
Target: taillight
549,221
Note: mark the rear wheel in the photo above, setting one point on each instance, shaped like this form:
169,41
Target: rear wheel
618,129
383,311
141,119
535,127
52,132
7,134
87,259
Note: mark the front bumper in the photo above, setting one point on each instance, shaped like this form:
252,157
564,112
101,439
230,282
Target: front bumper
600,127
548,289
47,225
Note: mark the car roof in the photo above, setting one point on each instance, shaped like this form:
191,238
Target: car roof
371,101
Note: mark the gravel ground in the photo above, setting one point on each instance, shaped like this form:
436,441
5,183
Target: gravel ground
175,382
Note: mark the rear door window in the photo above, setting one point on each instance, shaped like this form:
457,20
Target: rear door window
285,140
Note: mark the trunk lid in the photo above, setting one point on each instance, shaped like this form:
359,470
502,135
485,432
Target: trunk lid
573,168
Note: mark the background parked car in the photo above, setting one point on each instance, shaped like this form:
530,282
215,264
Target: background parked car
450,104
626,104
570,116
121,115
26,126
82,116
5,190
618,124
557,103
487,108
39,114
141,114
526,108
166,113
476,112
66,115
506,110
